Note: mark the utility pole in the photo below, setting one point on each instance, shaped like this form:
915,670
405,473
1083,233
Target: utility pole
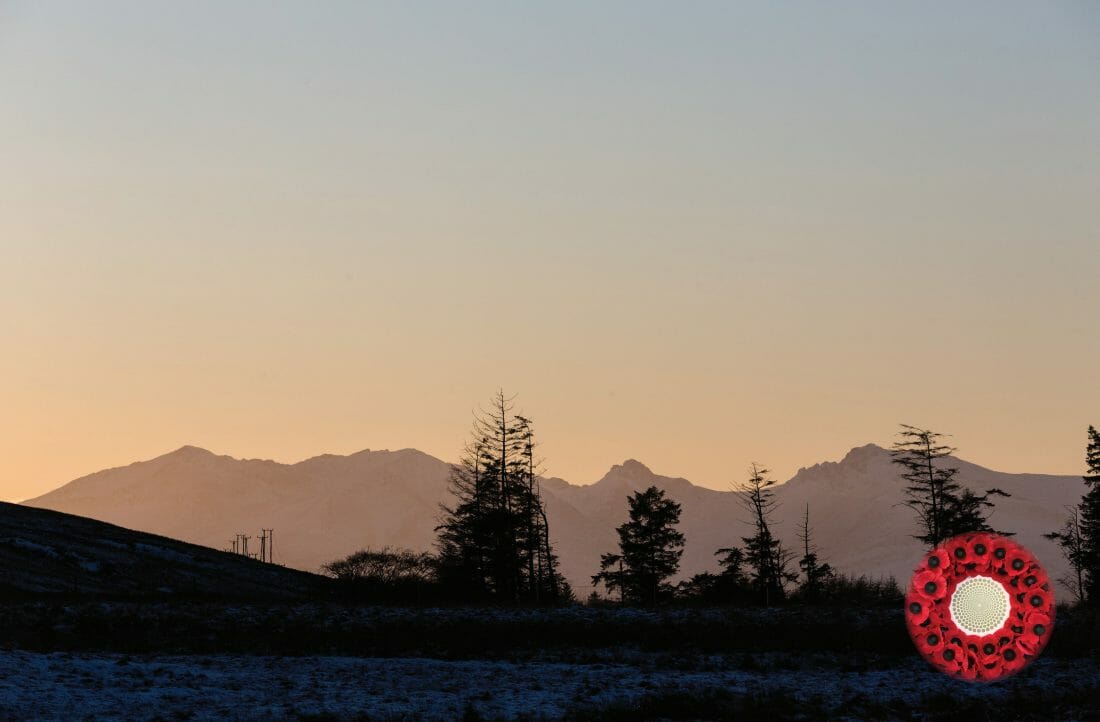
239,545
269,535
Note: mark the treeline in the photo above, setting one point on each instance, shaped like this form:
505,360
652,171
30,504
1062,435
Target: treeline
494,543
761,571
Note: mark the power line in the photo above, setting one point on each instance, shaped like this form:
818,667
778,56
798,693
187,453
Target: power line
239,546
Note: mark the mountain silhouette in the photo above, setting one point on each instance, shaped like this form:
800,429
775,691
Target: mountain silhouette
329,506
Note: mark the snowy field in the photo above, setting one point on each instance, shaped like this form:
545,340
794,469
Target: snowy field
71,686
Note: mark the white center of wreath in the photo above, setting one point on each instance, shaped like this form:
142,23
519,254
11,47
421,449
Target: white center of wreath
980,606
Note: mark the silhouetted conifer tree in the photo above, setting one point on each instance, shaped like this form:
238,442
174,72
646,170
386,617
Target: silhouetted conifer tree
731,584
732,562
1071,540
728,586
1079,538
494,541
764,555
649,549
815,573
944,508
1090,518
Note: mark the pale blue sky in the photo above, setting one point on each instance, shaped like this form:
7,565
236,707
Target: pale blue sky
699,234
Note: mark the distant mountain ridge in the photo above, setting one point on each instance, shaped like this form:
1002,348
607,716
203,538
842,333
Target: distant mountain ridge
327,506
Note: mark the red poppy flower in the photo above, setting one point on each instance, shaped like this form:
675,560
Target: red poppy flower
978,553
989,654
1013,657
917,608
929,585
959,550
1034,579
999,547
1028,643
980,607
930,642
1036,630
938,617
949,659
1038,622
1037,599
1017,562
937,561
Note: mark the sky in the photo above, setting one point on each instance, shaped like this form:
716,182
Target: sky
696,234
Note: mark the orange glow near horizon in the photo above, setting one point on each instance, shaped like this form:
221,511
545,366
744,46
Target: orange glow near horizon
695,237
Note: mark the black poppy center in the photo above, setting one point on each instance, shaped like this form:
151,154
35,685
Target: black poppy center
1017,564
989,649
930,587
948,654
1040,630
979,549
1010,655
933,639
1036,601
960,553
1030,580
1000,553
934,562
915,607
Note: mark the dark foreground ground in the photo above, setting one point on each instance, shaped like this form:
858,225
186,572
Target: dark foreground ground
47,553
213,661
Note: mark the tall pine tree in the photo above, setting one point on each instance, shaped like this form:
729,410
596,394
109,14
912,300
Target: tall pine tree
815,573
1071,539
1090,519
493,542
764,555
1079,537
944,508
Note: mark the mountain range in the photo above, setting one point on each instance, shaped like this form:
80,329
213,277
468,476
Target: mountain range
328,506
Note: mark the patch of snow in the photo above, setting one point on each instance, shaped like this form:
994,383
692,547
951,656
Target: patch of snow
163,553
34,546
215,687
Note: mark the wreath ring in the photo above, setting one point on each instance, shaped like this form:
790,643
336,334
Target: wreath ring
980,607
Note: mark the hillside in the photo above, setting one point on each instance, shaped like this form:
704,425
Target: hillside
47,552
328,506
320,508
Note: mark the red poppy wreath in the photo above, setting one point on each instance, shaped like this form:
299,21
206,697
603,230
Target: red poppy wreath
980,607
